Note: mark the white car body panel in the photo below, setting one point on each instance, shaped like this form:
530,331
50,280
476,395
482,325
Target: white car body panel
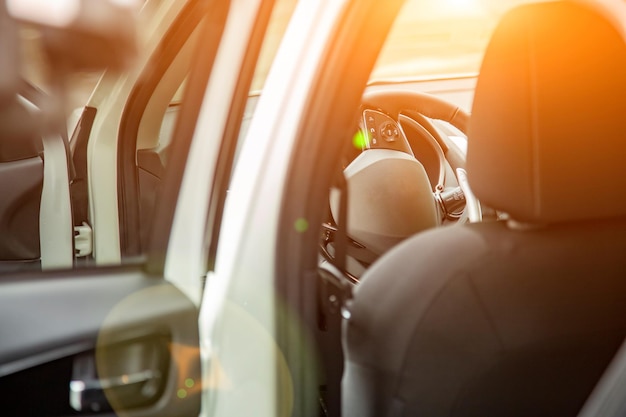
187,251
239,301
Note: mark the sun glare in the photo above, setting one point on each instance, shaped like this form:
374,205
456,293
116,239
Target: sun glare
441,9
54,13
465,7
436,38
462,3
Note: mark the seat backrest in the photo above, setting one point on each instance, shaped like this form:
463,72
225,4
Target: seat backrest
21,183
520,317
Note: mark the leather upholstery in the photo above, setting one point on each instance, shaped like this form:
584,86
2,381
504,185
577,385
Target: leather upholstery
481,321
547,133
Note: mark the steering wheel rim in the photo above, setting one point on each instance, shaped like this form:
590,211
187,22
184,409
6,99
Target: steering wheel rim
412,104
405,101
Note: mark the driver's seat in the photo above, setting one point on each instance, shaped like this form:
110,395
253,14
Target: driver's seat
517,317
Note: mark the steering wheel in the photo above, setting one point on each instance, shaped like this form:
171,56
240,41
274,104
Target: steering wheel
381,215
412,107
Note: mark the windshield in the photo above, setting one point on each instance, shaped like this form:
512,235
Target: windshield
434,39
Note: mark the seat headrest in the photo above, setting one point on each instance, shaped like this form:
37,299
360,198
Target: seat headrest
547,135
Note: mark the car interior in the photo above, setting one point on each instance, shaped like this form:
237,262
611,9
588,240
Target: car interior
21,202
34,218
112,340
470,260
112,337
513,305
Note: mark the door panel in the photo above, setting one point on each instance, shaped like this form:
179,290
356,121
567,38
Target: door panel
120,339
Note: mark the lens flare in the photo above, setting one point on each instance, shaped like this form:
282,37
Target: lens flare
301,225
360,140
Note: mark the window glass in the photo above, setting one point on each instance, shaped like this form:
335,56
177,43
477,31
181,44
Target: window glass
34,71
151,104
439,39
283,9
143,132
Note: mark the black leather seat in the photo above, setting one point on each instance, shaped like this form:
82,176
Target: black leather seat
518,317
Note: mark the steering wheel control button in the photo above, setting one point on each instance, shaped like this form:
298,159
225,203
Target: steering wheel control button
385,133
389,132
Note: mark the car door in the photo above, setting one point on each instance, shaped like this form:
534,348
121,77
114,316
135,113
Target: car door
119,335
262,300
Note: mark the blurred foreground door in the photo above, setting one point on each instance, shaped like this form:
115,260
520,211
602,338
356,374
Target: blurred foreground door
118,334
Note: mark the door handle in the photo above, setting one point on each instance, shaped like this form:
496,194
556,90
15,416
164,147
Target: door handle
130,374
89,394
